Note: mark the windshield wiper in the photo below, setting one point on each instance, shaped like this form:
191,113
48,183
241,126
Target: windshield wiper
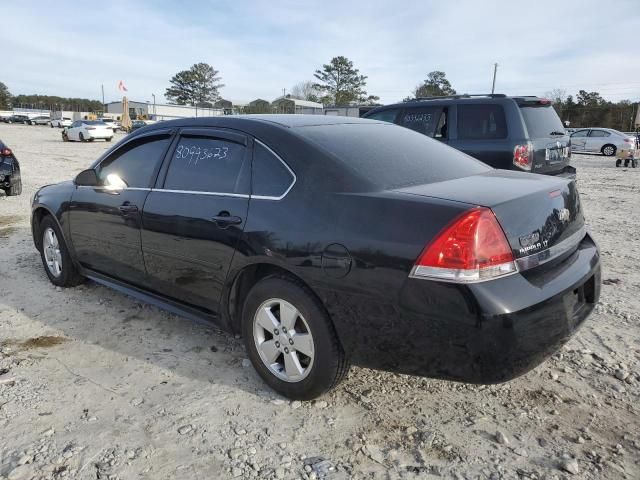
557,133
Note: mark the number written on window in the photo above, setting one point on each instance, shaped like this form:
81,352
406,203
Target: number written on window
195,153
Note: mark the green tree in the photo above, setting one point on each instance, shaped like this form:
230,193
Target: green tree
341,84
5,97
197,86
55,103
436,85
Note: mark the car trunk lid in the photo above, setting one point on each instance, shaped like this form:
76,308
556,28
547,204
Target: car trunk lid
542,217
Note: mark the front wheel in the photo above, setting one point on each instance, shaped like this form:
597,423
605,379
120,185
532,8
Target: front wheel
82,139
609,150
290,339
55,255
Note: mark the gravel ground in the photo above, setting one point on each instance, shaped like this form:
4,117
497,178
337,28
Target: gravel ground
94,384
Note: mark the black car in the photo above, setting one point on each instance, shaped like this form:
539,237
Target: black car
330,241
511,133
18,119
10,180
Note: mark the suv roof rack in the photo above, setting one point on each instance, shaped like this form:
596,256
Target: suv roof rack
463,95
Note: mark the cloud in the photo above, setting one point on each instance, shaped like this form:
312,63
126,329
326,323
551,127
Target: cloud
262,47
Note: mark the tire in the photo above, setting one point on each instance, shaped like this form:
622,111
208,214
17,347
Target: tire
15,189
618,162
51,125
56,254
82,139
108,139
65,138
634,163
324,363
608,150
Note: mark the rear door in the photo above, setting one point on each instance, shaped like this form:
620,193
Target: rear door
596,140
546,133
481,131
579,140
193,219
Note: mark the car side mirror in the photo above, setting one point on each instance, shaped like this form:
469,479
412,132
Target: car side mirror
87,178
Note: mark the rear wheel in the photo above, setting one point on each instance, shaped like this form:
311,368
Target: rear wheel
608,150
108,139
290,339
55,256
618,162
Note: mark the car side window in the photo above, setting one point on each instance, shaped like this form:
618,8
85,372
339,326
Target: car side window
385,115
580,133
481,122
599,133
422,119
135,162
207,164
442,129
271,177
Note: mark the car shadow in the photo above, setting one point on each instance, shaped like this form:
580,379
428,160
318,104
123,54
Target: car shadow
101,317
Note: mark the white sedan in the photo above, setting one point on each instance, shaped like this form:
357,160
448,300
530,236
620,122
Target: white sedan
87,131
61,122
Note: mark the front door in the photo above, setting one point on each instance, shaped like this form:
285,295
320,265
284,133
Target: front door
579,140
105,220
192,221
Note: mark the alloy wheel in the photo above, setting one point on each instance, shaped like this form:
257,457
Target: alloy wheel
283,340
52,253
608,151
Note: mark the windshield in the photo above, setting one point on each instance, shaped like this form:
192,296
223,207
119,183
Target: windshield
93,122
542,121
390,156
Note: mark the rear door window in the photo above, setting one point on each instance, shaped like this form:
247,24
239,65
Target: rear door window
599,133
207,164
481,122
385,115
422,119
541,121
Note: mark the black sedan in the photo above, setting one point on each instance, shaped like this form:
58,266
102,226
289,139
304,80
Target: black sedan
329,241
10,180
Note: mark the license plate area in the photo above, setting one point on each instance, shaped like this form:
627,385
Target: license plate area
555,155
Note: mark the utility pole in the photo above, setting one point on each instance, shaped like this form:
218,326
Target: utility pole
495,70
154,103
102,86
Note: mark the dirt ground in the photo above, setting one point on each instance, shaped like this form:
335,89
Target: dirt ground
95,385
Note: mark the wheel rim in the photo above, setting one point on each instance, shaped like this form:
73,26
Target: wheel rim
52,254
283,340
608,150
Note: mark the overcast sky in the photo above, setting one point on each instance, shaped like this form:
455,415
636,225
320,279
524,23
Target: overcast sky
260,47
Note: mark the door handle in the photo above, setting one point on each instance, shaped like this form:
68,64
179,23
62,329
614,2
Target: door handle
224,219
128,208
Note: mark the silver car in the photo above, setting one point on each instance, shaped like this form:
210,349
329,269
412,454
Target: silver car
606,141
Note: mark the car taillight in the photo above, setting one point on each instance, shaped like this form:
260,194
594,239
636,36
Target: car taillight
628,140
472,248
523,156
90,128
5,152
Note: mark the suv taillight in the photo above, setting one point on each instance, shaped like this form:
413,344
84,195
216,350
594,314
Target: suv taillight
472,248
523,156
5,152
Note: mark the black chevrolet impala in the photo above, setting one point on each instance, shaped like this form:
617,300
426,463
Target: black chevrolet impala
329,241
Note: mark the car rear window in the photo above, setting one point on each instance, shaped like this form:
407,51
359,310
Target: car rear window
541,121
389,156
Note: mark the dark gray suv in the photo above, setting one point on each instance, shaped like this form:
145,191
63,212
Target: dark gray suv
513,133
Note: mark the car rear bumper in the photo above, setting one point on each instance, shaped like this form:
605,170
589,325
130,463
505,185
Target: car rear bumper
99,134
488,332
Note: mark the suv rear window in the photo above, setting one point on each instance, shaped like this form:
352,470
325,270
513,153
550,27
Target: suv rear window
481,122
389,156
541,121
